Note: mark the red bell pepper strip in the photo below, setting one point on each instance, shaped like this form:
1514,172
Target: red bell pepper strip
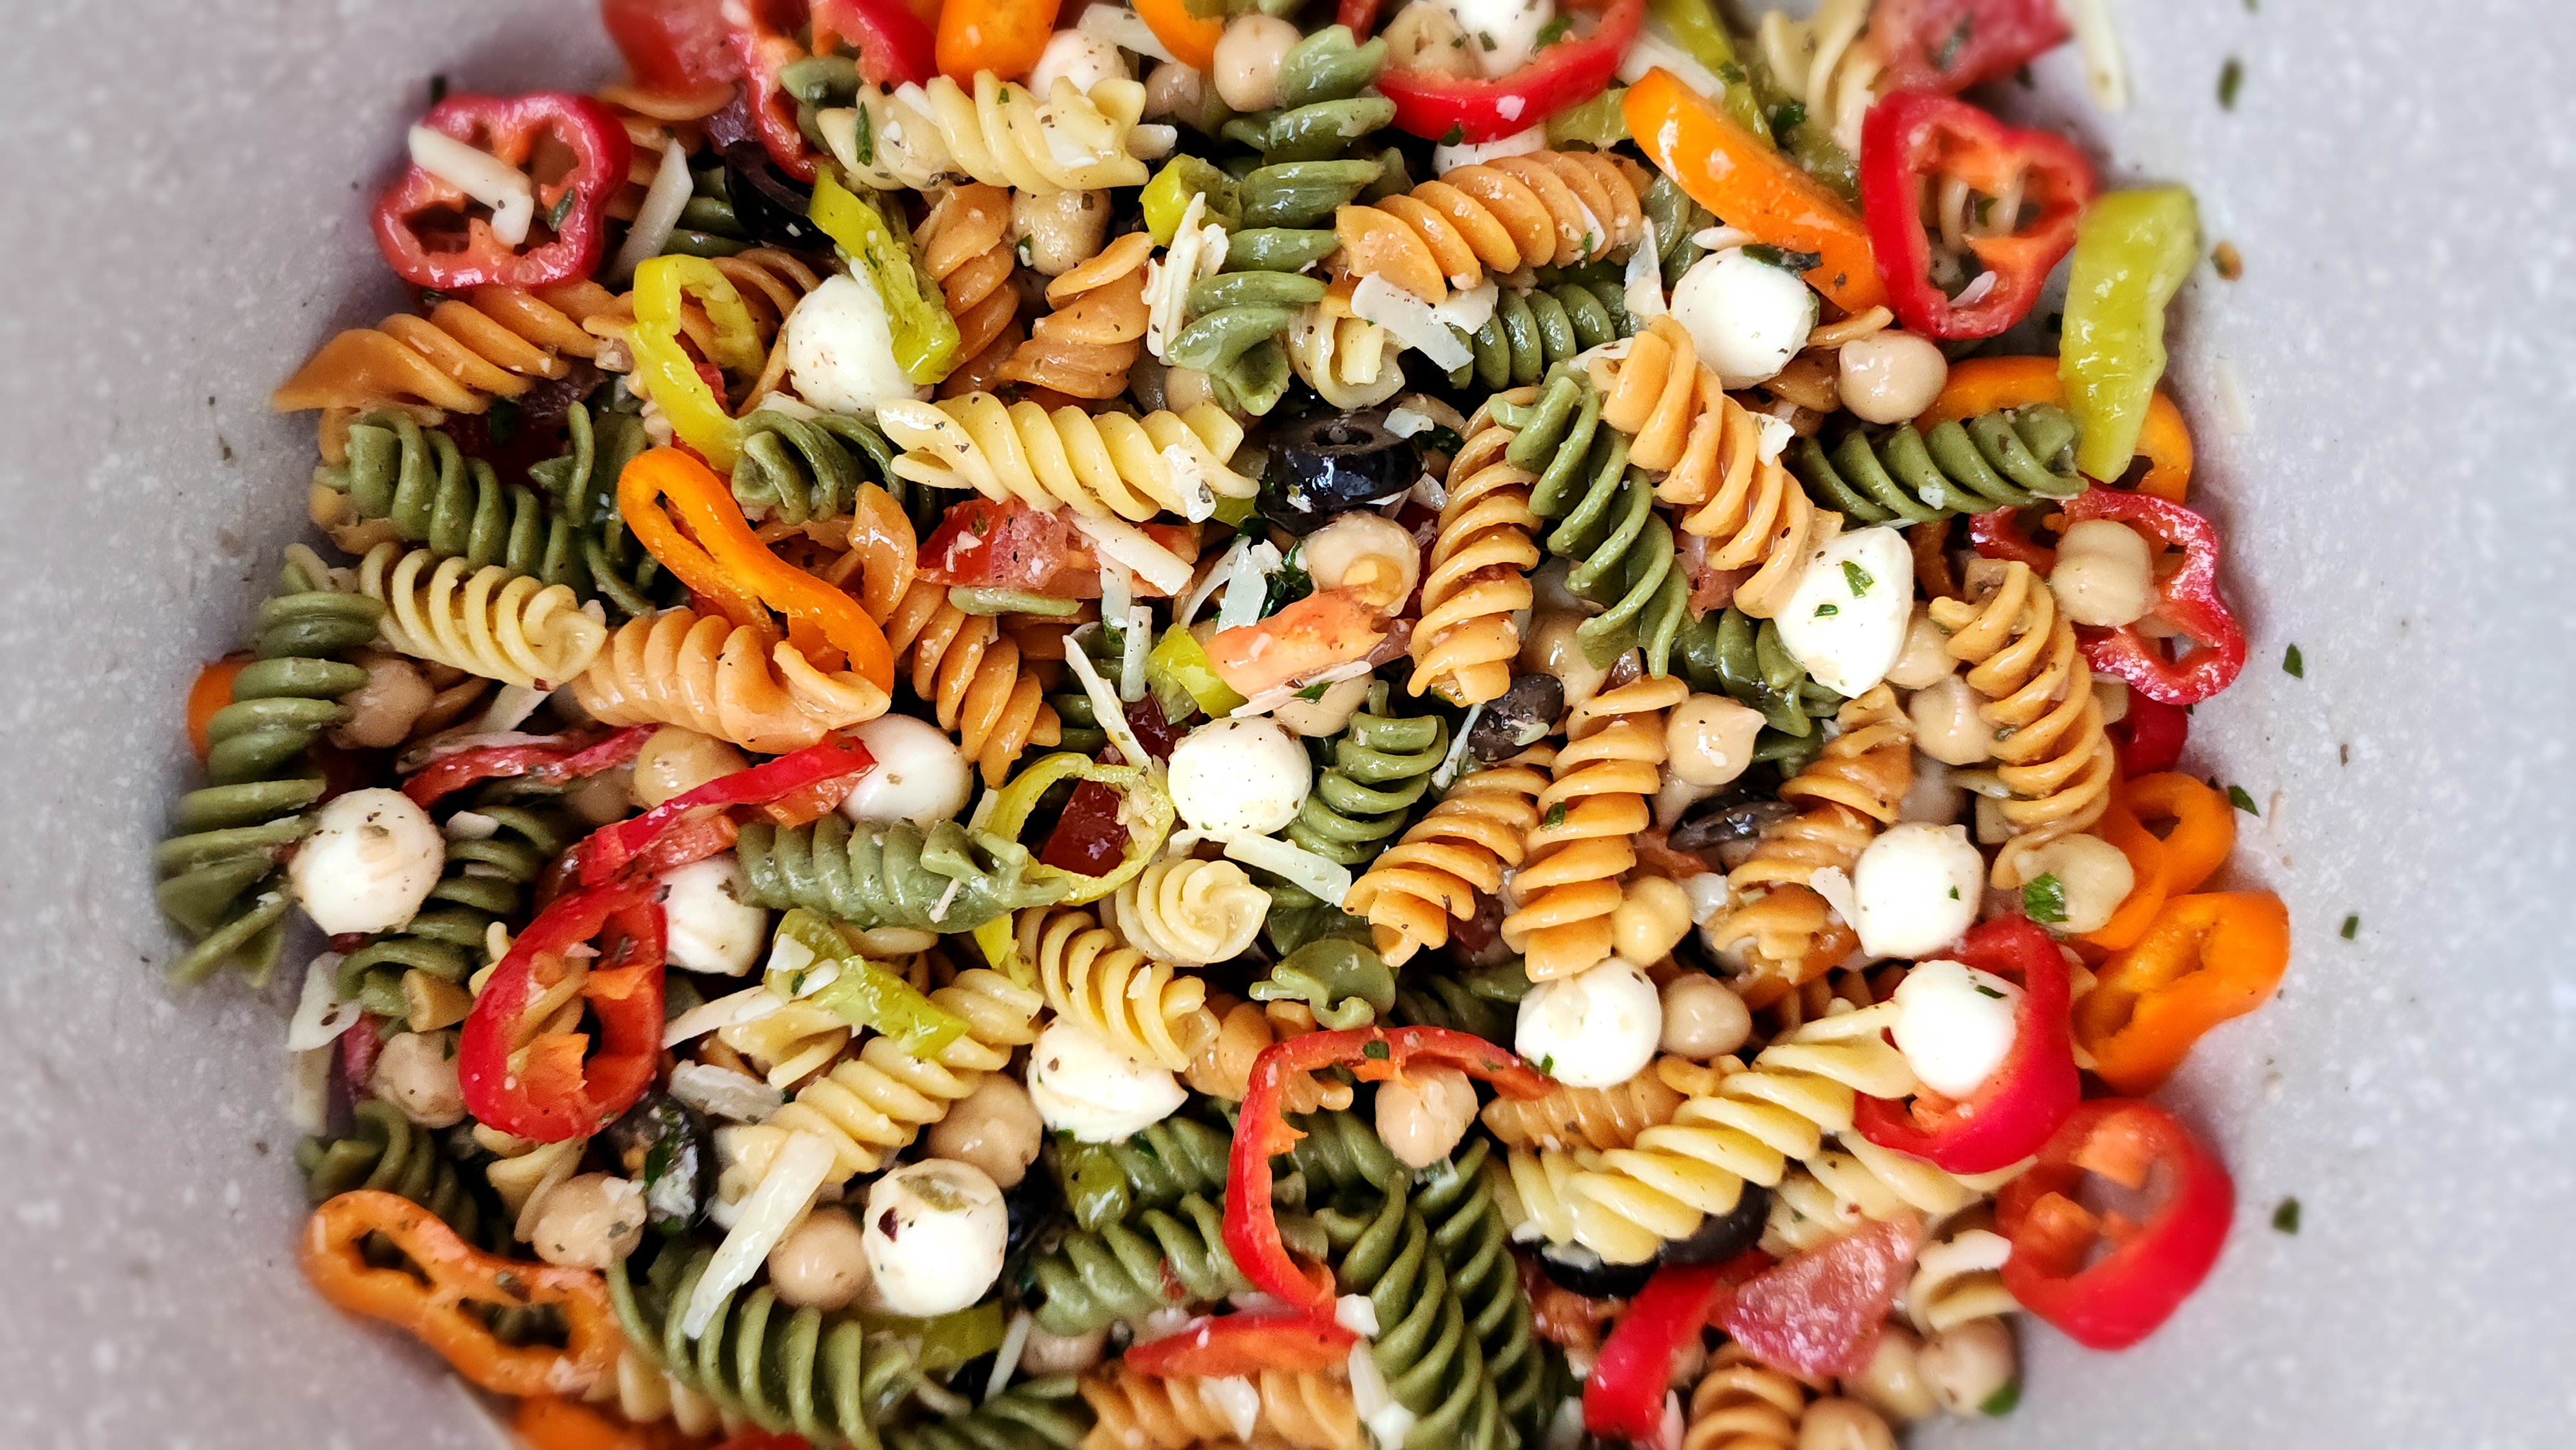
571,758
573,208
1624,1398
2187,599
893,45
2150,737
1452,109
2025,1099
1262,1133
2005,534
543,1087
1946,46
1222,1347
1818,1313
1911,138
2152,1266
613,849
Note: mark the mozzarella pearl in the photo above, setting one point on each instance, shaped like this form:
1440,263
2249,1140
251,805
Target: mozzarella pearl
1747,317
369,863
1077,56
934,1237
920,776
1316,719
1084,1086
1445,159
1917,887
712,926
840,349
1501,34
1239,775
1955,1025
1847,619
1595,1029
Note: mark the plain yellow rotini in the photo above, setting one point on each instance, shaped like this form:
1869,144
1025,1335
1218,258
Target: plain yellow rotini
1084,347
1091,975
790,1044
1854,1181
645,1394
1826,62
969,672
1100,465
1452,857
1572,1117
2023,661
1001,134
1709,450
1543,209
488,622
1349,362
1959,1276
1223,1068
966,248
1142,1412
681,668
1741,1404
491,342
1589,817
1475,584
1190,913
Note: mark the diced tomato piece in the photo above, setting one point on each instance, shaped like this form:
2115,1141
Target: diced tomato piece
1946,46
1326,628
1010,546
1818,1313
672,45
1088,839
1155,733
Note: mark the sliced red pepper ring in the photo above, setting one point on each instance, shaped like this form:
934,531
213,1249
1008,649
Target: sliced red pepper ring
571,210
1912,138
2204,960
2005,534
1453,109
2114,1300
571,757
548,1087
2150,737
2027,1097
1262,1133
893,46
1624,1397
1946,46
1226,1346
2188,599
613,849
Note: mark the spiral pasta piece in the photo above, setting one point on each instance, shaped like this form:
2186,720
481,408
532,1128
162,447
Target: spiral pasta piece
2049,746
1349,361
2009,458
1140,1412
492,342
800,470
966,248
1727,652
1160,1165
1106,465
1854,1182
791,1044
385,1151
1600,1118
944,879
969,672
1723,476
1543,209
1531,332
1461,849
1475,582
1742,1404
1223,1067
412,484
1167,1257
1039,1414
680,668
1589,815
1092,976
488,622
483,883
1959,1277
1434,1363
1827,62
1001,135
1455,1198
1084,347
1190,913
1381,764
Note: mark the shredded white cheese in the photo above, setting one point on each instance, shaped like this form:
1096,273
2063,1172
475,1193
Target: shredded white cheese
1385,1415
1237,1399
1123,543
1248,585
1404,420
1328,881
1104,701
1278,695
1474,307
1835,886
1187,609
1457,755
2106,70
1356,1313
482,176
308,1088
1198,250
512,705
1655,46
724,1093
1139,638
1720,238
1409,320
1116,590
1123,28
947,898
1006,1360
657,216
776,1206
320,1016
749,1005
1706,892
1646,278
470,826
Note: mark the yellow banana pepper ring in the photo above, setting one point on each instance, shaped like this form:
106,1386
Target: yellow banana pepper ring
662,288
1147,812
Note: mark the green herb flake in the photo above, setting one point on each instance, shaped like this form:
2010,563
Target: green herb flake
1552,32
2237,797
2285,1219
1777,257
657,1161
1457,133
2002,1402
562,209
1731,73
1789,117
1374,1051
2231,79
1547,1065
1857,577
863,141
2351,926
1314,691
1555,816
1958,41
2294,666
2043,899
977,524
1828,611
1485,39
1954,893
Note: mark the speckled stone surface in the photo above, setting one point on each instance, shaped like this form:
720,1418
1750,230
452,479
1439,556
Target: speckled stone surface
186,185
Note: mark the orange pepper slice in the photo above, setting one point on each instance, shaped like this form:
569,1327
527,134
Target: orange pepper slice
727,566
1190,38
212,691
1001,36
1750,185
2203,829
1981,385
548,1422
457,1274
2119,825
2205,960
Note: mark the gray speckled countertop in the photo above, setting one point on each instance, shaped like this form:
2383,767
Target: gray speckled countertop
186,185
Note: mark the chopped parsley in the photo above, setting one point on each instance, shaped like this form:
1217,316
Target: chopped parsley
1828,611
1314,691
2231,79
2285,1219
1958,41
1985,991
1547,1064
1374,1051
2351,926
2043,899
1555,816
1778,257
563,208
2237,797
1731,73
863,143
1550,33
1789,117
1288,583
2002,1402
2294,666
1857,577
1954,893
1485,39
1457,133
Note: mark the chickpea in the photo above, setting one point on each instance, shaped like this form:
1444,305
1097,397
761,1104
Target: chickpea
1316,719
1968,1364
2112,694
1553,649
2104,574
1423,1113
1178,92
1186,388
1248,57
1927,654
1059,231
1708,739
1840,1424
2094,876
589,1222
820,1264
1652,917
1703,1018
1947,725
1892,376
995,1128
677,760
416,1072
383,711
1365,551
1047,1354
1425,37
1893,1384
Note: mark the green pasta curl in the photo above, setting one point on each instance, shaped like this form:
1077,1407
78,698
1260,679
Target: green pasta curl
893,875
384,1151
1325,102
1727,652
599,443
1380,766
800,470
1341,1152
1677,219
1433,1363
484,882
1427,1000
1531,332
2009,458
1166,1258
1345,983
1105,1183
420,483
1456,1200
708,226
1605,520
1042,1414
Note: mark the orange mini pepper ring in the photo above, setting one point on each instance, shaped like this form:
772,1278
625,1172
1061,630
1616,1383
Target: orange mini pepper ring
2207,959
1981,385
